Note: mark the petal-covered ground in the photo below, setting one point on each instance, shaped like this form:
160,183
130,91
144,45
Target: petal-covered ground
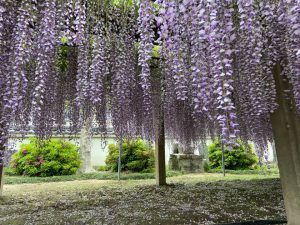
188,199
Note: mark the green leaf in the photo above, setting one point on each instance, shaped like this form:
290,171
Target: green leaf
64,40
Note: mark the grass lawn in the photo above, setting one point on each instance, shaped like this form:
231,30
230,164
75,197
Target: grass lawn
188,199
85,176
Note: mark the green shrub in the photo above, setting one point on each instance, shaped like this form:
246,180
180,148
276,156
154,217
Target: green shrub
9,171
137,156
102,168
46,158
238,158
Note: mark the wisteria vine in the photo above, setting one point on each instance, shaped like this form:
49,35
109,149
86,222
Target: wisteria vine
64,62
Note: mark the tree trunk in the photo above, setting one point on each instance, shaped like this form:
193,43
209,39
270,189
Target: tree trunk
85,147
2,170
158,101
223,158
120,158
160,163
1,179
286,130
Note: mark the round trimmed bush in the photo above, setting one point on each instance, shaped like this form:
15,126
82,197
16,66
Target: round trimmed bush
137,156
238,158
46,158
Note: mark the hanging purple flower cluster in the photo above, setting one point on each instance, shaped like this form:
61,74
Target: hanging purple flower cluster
290,18
7,20
64,62
146,22
218,58
44,78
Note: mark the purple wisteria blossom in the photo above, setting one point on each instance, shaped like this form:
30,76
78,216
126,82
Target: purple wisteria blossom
63,62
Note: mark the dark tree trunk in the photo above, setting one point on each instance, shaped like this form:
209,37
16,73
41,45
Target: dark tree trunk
160,163
1,179
1,173
286,130
158,101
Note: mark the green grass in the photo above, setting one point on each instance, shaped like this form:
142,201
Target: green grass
210,176
106,175
258,172
263,170
87,176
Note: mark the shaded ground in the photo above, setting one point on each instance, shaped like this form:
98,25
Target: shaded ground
189,199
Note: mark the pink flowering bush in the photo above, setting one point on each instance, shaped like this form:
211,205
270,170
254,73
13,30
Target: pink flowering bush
46,158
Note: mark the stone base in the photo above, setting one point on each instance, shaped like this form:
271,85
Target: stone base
188,163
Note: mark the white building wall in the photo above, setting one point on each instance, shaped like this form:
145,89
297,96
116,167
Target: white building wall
100,149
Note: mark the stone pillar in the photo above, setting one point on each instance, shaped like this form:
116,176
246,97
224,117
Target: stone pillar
286,129
203,151
274,153
85,146
188,163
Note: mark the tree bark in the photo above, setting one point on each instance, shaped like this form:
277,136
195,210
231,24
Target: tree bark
160,161
2,171
223,158
158,101
1,179
286,130
120,158
85,147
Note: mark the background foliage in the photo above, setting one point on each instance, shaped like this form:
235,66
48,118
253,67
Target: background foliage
238,158
137,156
46,158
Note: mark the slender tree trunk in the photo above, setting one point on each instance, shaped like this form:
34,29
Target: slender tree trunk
1,173
85,146
120,158
160,163
223,159
158,101
1,179
286,129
